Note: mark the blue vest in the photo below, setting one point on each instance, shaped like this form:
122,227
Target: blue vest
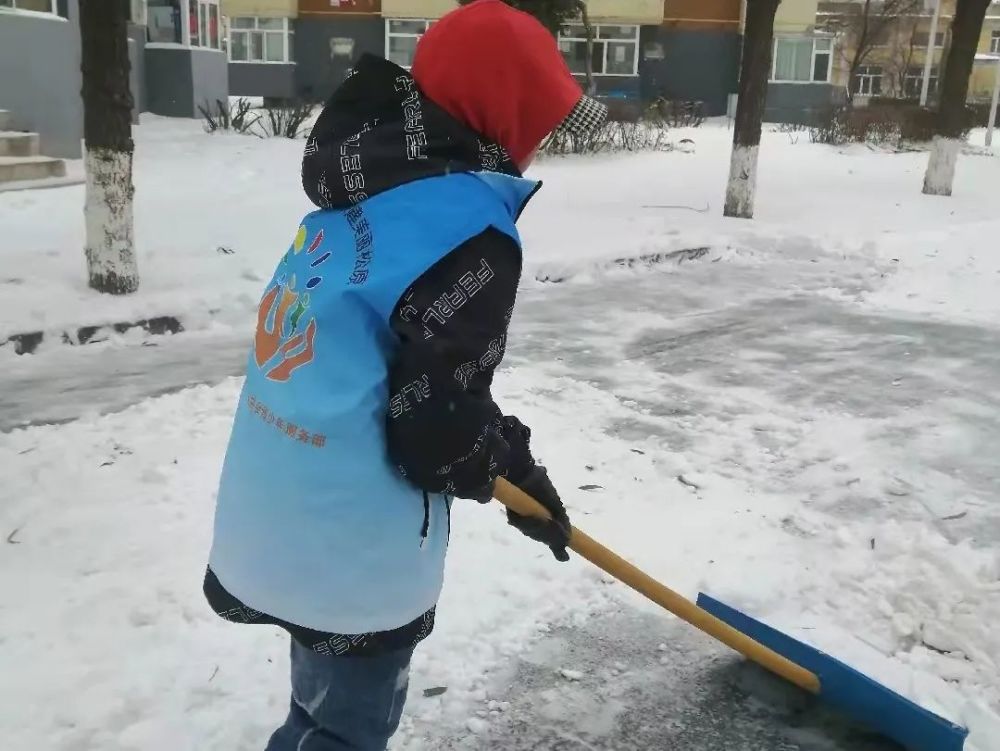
313,523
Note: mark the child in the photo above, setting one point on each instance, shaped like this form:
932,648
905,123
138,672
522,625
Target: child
367,402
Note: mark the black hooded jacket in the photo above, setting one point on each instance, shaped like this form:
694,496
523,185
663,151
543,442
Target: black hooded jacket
454,440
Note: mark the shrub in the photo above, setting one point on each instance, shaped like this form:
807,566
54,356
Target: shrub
239,118
623,110
284,119
884,122
676,113
613,136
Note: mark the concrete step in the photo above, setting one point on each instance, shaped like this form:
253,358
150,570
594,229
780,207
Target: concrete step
30,168
4,119
43,184
13,143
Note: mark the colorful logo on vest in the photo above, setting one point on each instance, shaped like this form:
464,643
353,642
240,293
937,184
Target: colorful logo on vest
285,339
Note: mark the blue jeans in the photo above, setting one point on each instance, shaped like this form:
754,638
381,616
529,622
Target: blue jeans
343,703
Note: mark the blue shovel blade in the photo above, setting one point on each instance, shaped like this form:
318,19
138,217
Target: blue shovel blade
854,694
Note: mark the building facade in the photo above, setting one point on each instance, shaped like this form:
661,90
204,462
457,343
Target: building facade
330,36
693,54
184,65
260,44
801,87
984,72
643,49
175,52
893,56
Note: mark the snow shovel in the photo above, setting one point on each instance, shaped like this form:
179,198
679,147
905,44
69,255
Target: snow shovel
853,693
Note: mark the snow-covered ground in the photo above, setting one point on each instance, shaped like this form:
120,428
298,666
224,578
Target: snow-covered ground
802,421
212,210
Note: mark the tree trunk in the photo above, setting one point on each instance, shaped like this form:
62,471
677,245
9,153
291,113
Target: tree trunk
954,86
861,50
107,134
755,70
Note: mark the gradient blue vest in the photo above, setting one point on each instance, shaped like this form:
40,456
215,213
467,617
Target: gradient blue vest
313,524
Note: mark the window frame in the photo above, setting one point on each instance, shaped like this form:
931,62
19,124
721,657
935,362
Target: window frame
389,34
918,78
860,78
287,31
812,59
186,36
52,11
923,44
995,41
635,41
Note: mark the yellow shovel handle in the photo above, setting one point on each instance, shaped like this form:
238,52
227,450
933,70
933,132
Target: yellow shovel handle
523,504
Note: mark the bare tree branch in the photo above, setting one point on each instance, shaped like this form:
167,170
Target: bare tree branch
865,25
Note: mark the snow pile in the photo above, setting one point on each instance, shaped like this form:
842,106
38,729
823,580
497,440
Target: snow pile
918,614
951,272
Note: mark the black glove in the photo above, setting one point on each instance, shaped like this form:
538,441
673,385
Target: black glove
554,532
517,435
515,457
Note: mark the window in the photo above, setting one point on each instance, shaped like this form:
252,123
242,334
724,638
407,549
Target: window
260,40
401,39
163,18
921,38
995,42
615,52
39,6
914,82
203,23
165,26
802,60
868,80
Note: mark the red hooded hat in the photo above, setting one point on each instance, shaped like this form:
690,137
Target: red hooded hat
500,72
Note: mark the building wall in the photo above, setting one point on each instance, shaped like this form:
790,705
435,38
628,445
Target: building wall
626,11
40,84
168,81
270,80
325,8
601,11
260,8
801,103
981,84
319,70
614,87
698,65
895,54
179,79
795,16
209,76
137,73
417,8
702,15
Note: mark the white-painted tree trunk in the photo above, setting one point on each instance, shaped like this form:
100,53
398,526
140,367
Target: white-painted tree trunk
940,175
111,262
742,182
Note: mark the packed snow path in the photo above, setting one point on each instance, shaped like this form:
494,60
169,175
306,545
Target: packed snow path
641,682
708,341
738,425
